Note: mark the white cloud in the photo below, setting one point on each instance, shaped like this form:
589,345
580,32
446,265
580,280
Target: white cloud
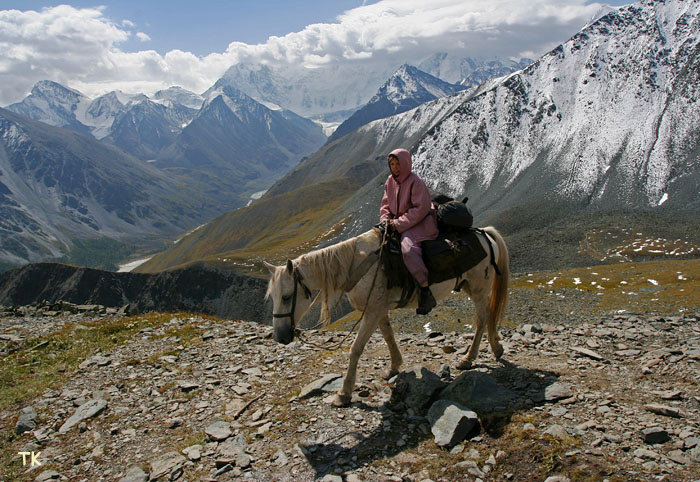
80,47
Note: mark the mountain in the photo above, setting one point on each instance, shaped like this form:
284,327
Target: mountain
240,145
305,207
467,71
407,88
53,104
607,122
133,122
60,189
331,93
199,288
145,128
178,96
327,93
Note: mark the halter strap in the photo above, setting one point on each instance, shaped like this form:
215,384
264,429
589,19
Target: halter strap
298,280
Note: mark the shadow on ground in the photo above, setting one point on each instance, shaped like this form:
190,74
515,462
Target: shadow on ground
402,429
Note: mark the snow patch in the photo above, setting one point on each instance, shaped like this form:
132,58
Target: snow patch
127,267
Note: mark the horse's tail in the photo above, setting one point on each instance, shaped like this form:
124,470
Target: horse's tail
499,288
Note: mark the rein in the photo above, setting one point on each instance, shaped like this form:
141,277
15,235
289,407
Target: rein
299,333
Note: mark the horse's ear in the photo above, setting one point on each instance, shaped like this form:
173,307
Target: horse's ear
290,266
270,267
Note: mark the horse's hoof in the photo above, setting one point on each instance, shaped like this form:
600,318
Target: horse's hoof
341,400
498,352
389,373
465,364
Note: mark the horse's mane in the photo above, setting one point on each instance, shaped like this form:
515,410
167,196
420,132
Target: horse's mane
332,267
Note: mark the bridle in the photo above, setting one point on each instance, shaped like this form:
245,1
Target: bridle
298,281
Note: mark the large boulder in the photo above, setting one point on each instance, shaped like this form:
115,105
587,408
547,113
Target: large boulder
87,410
450,422
416,388
26,421
479,392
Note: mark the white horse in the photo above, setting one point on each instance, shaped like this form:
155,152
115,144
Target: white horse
350,267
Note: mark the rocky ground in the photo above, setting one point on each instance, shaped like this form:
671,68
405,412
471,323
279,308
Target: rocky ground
581,396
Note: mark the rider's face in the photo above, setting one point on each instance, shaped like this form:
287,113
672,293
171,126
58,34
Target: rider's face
394,165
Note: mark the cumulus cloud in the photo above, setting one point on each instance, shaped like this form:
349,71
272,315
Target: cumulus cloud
80,47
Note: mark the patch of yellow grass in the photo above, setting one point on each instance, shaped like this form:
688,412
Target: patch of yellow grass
664,286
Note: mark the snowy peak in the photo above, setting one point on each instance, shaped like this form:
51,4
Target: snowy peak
54,91
133,122
178,96
608,119
52,103
469,72
238,103
406,89
409,83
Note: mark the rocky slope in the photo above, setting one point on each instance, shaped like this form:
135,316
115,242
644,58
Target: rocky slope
58,186
184,397
606,120
199,287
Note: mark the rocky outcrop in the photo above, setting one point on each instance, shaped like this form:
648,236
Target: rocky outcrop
199,288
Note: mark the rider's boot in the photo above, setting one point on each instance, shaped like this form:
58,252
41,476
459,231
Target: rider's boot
426,301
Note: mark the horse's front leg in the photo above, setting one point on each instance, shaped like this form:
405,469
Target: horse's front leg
481,302
394,351
367,327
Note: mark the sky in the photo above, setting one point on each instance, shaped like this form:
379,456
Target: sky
147,45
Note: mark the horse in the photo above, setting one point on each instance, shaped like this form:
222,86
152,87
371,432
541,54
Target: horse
350,267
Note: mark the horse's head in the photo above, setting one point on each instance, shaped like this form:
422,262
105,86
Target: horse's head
291,298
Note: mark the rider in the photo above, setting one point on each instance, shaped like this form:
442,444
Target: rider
407,207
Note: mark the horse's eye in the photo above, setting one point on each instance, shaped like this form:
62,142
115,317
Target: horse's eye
286,298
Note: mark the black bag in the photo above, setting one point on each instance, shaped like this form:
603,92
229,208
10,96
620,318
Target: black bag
447,258
452,216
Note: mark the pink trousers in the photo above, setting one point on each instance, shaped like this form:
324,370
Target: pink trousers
413,257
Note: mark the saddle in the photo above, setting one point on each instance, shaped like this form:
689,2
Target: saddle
453,253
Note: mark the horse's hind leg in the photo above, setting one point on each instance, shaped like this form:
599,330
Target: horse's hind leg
394,351
494,340
481,302
367,327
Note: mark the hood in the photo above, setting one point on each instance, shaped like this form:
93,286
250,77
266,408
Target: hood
404,161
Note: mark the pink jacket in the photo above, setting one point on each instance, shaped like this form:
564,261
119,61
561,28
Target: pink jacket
407,201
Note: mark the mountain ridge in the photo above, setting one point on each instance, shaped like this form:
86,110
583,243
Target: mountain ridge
406,89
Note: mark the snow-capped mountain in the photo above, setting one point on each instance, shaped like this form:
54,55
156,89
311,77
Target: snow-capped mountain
609,119
58,187
407,88
331,93
239,144
145,128
178,96
106,116
53,104
328,93
467,71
